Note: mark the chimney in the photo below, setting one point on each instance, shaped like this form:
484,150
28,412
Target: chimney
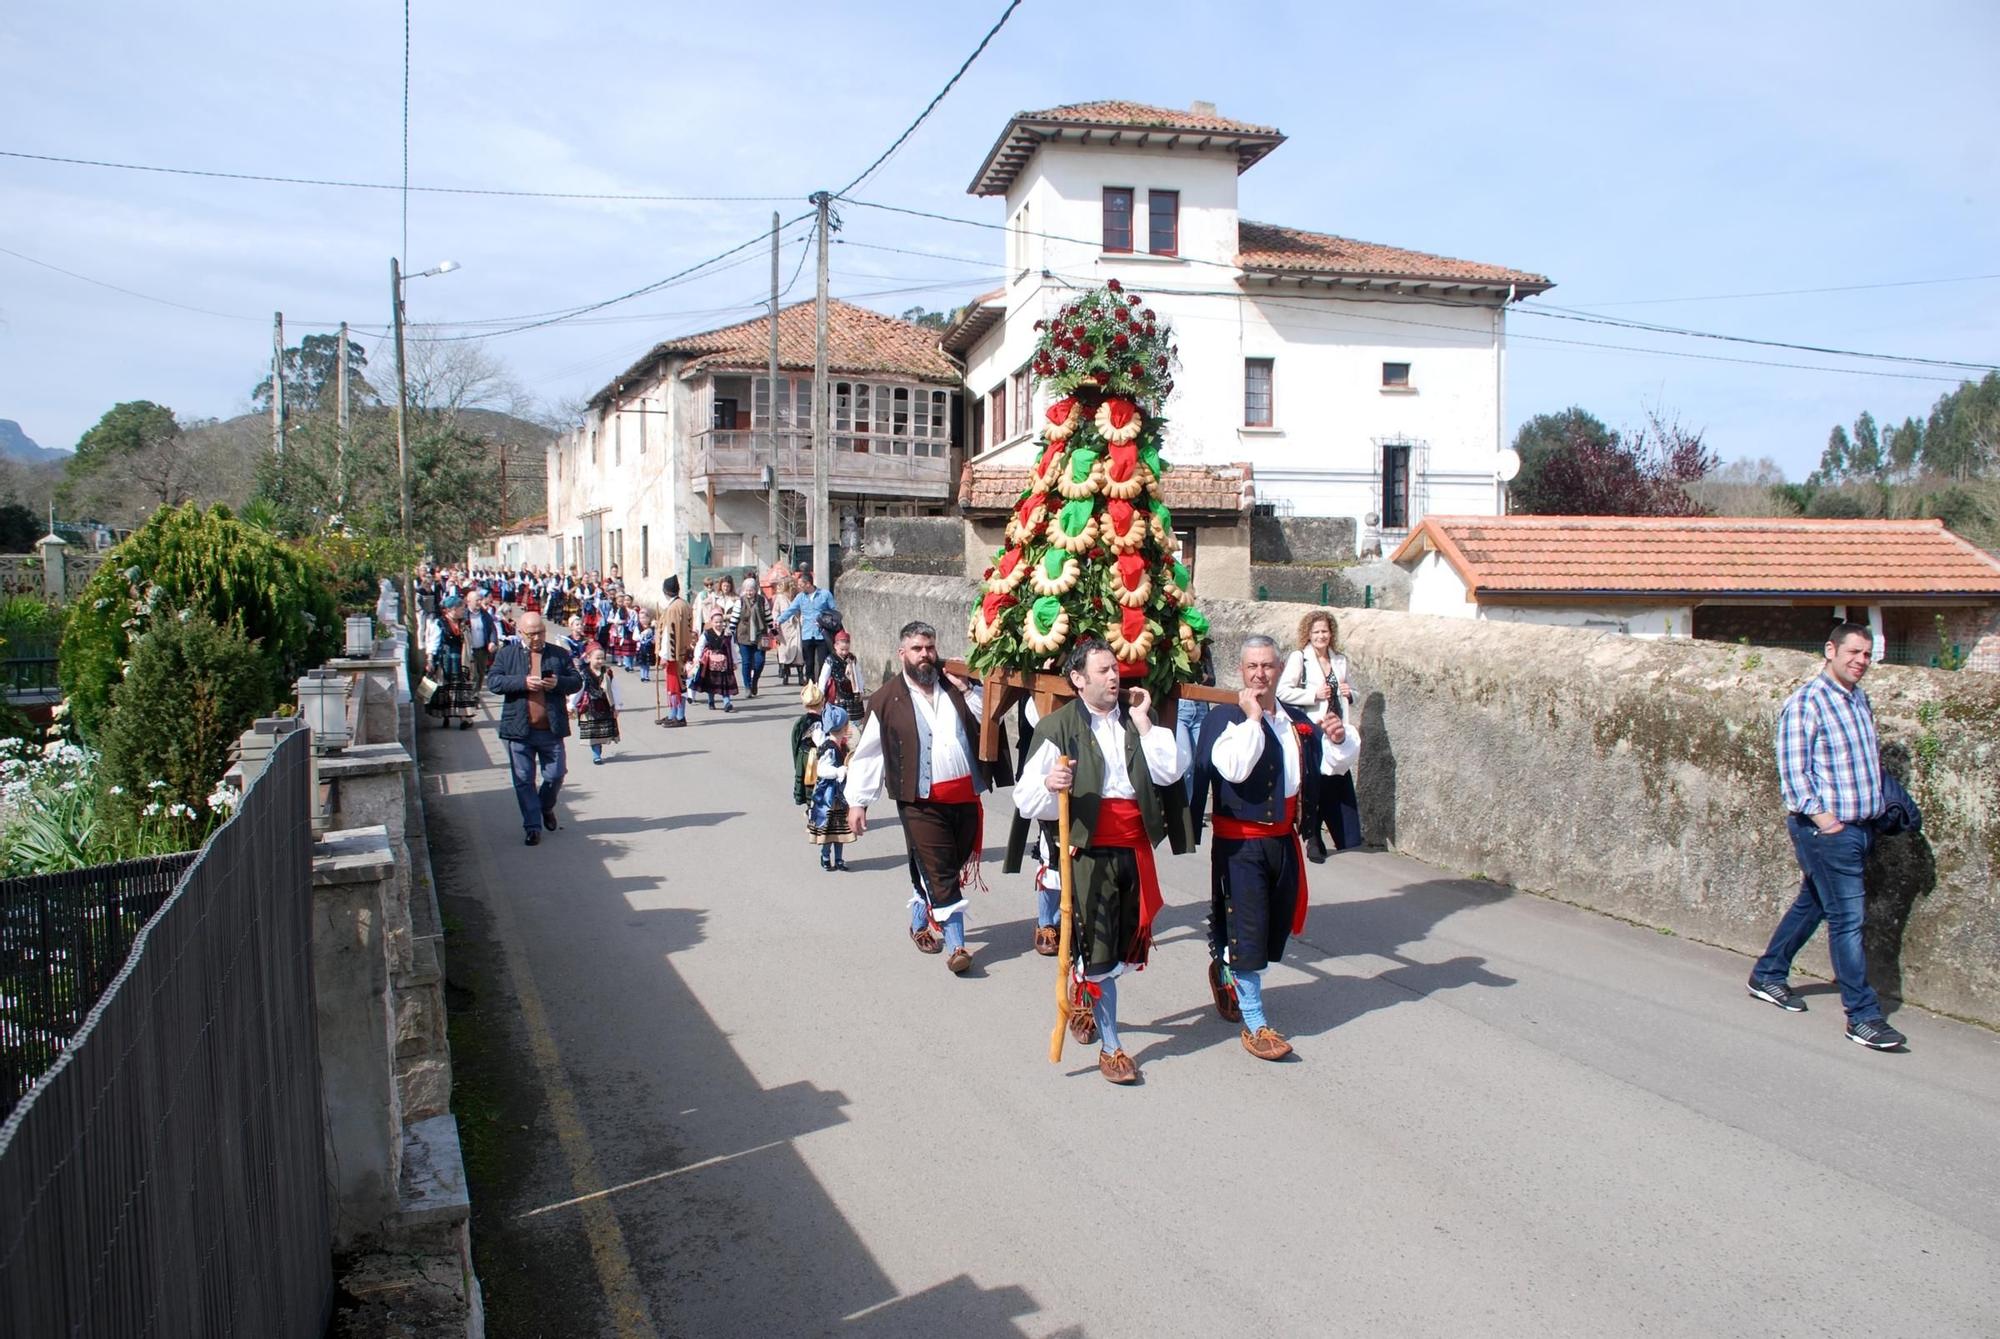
1203,108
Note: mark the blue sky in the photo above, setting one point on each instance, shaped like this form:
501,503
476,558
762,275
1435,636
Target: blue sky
1634,154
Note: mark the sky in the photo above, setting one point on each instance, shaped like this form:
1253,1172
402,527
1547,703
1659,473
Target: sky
1692,164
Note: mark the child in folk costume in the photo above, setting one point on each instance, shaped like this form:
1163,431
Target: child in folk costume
715,662
624,638
596,704
826,819
643,645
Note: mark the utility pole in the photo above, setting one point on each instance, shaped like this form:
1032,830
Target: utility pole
402,433
278,382
340,424
822,512
772,417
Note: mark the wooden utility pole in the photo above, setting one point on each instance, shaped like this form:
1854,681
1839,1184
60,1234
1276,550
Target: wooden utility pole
340,424
278,382
402,434
822,511
771,417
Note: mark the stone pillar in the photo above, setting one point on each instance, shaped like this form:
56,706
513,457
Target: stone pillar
374,683
54,579
354,877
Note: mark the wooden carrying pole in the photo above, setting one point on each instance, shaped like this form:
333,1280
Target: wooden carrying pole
1066,948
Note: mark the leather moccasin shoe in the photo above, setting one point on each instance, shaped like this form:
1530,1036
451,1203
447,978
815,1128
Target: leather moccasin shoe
1225,998
1266,1044
1083,1027
1048,941
1117,1067
926,941
959,962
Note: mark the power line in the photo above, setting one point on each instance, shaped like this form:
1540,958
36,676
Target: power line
1792,292
404,254
164,302
905,251
393,186
1571,314
931,106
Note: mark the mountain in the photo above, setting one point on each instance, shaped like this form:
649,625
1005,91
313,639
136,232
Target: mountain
17,445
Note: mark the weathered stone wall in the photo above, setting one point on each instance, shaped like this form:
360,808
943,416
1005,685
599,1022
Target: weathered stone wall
1301,539
930,545
1634,777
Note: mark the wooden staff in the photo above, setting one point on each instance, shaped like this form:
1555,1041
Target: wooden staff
1067,946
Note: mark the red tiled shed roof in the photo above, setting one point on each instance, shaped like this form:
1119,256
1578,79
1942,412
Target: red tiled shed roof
1116,122
1633,556
858,340
1267,247
1208,489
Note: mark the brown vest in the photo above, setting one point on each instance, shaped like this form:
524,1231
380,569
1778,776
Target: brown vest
900,764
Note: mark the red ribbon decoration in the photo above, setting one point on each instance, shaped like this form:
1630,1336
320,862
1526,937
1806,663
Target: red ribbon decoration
994,602
1120,511
1119,824
1124,459
1060,411
1119,411
1011,559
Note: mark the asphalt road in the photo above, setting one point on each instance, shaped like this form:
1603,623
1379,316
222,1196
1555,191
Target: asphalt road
727,1097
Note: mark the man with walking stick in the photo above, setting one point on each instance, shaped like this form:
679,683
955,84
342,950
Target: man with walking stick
1119,797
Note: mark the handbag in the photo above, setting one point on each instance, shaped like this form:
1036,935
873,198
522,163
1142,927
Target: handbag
426,689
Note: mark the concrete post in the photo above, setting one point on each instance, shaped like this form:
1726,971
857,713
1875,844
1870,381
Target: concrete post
54,578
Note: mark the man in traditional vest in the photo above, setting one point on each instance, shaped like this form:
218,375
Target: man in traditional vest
920,746
1122,779
674,643
1252,754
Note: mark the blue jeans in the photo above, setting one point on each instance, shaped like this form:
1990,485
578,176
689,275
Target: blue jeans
1191,715
1830,892
1105,1010
1250,999
954,929
1048,905
543,748
751,658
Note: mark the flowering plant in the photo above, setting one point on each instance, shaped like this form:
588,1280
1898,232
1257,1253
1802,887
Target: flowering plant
1107,341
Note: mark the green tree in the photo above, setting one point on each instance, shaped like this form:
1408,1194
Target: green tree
1962,438
192,688
312,377
1864,457
124,430
1572,465
929,319
1906,446
201,562
19,529
1833,461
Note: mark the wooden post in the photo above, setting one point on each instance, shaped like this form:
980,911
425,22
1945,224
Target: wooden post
340,424
822,519
278,382
771,413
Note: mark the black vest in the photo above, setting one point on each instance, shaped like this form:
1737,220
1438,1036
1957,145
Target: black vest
1259,797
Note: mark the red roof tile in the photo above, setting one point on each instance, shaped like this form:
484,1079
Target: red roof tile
1116,122
858,340
994,488
1625,557
1269,247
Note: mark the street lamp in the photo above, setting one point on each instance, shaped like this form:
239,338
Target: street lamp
396,281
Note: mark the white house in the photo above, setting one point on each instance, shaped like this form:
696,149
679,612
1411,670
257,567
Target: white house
1357,380
675,463
1769,581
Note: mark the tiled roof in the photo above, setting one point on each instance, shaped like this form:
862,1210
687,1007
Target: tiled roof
995,488
1268,247
973,321
1617,556
1119,123
857,339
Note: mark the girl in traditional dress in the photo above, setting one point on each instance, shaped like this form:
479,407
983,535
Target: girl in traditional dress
840,678
715,663
826,819
596,704
457,696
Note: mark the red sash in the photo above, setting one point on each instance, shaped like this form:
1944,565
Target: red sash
1119,824
1235,829
959,790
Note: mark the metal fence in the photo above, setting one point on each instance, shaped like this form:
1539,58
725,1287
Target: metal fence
62,938
167,1176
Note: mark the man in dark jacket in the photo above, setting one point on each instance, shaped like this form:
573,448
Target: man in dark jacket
536,681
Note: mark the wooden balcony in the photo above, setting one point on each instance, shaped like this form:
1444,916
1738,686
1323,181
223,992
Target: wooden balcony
734,460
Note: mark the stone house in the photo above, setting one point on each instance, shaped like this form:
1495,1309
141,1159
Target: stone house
1770,581
674,465
1353,379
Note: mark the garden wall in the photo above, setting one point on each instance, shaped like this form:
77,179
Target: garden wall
1631,777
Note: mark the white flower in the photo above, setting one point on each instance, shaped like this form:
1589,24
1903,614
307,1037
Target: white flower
60,710
67,787
179,810
153,810
223,799
116,790
101,602
53,747
156,785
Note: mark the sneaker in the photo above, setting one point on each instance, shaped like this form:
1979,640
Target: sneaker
1876,1035
1778,993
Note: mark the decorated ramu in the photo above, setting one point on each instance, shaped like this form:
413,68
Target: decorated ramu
1090,545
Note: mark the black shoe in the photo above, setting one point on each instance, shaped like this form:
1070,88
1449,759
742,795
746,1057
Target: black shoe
549,819
1876,1035
1778,993
531,839
1316,849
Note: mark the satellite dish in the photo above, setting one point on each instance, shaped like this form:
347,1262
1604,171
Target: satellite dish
1506,465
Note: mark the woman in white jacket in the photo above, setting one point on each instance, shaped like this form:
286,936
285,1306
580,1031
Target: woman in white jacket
1316,681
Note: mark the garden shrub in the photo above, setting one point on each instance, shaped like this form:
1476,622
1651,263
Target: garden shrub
193,687
200,562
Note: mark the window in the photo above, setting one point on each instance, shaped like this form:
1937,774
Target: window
618,437
1018,250
1395,376
1020,385
559,553
645,551
1396,487
724,415
618,549
1257,392
1117,218
1163,217
996,415
593,444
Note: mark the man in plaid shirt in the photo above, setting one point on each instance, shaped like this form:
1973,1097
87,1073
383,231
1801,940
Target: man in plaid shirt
1830,769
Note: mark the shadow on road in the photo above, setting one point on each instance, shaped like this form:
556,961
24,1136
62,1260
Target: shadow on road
727,1229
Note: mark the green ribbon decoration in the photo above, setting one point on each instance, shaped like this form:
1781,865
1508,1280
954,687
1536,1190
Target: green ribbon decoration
1053,562
1046,611
1196,620
1181,577
1149,455
1074,516
1081,462
1166,517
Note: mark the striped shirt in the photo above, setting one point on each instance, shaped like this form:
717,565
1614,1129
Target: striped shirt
1829,760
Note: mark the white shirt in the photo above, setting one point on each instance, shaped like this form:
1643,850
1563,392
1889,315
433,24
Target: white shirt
1165,750
943,752
1239,746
